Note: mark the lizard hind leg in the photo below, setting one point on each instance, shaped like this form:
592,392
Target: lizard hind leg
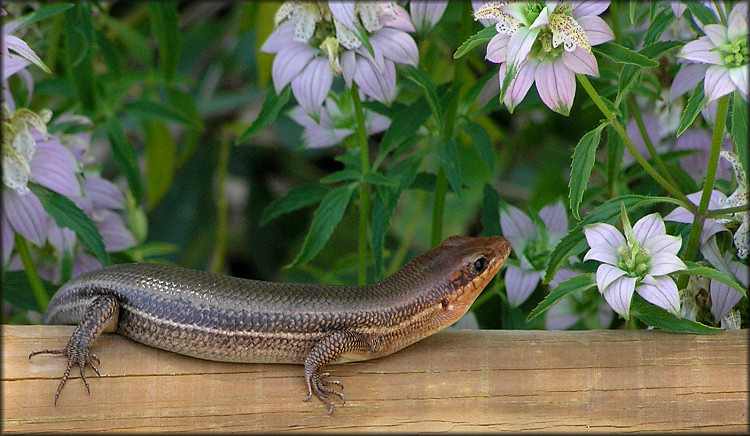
100,311
328,350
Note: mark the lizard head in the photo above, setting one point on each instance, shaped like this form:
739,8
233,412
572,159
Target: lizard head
465,265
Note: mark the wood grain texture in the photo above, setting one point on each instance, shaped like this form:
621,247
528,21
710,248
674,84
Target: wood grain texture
460,380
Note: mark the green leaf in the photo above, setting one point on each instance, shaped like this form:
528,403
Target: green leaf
160,160
79,56
701,12
125,157
404,173
184,105
581,282
272,104
421,79
325,219
67,214
739,129
631,74
696,102
345,175
42,14
695,269
659,318
624,55
447,150
659,24
615,151
165,26
16,291
584,156
631,12
490,211
482,36
575,243
134,41
153,110
405,121
482,142
295,199
377,179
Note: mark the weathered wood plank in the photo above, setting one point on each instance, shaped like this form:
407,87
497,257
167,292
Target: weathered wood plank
602,381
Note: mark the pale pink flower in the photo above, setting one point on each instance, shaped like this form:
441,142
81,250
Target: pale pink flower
724,52
426,13
641,262
315,42
336,123
723,297
532,246
544,43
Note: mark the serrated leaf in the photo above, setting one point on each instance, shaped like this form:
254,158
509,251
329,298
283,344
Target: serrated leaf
581,282
67,214
483,35
658,25
447,150
421,79
739,129
624,55
404,122
165,26
345,175
152,110
490,211
125,157
659,318
695,269
575,243
295,199
160,160
325,219
584,156
404,173
272,104
696,102
377,179
701,12
482,142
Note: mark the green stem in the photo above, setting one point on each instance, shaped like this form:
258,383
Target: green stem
621,132
222,216
708,185
650,145
728,211
22,246
441,184
364,188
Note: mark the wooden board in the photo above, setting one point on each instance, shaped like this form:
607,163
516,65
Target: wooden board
460,380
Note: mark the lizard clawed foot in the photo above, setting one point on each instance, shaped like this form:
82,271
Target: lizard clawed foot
316,384
76,355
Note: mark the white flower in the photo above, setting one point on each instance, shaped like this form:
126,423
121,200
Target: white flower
641,263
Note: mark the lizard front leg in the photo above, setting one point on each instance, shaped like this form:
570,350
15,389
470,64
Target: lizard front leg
335,345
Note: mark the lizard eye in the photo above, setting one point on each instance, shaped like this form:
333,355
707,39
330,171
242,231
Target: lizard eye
445,303
480,264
